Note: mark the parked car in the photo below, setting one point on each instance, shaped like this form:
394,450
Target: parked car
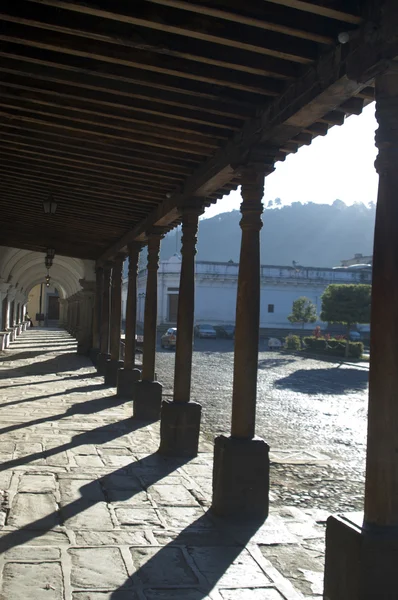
354,336
169,339
225,331
205,331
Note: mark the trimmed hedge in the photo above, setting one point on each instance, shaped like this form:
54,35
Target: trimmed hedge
293,342
333,347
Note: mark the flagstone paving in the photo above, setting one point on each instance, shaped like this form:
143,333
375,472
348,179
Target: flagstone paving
90,511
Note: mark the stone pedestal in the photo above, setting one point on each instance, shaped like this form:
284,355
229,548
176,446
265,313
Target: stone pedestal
126,381
147,400
179,428
241,478
110,374
101,362
94,356
361,562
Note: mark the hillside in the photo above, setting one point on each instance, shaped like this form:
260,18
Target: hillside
310,234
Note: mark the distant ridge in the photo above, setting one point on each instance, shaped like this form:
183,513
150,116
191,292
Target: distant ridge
311,234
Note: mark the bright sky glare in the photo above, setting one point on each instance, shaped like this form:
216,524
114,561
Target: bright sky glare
336,166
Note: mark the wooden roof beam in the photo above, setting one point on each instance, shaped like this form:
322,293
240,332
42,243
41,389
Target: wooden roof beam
236,17
322,11
87,74
301,51
71,42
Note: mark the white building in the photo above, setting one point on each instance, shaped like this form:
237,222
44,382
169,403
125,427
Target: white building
216,286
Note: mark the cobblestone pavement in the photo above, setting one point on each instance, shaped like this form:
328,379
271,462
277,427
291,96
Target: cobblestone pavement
89,511
312,413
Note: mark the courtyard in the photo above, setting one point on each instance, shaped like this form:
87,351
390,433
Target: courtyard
89,511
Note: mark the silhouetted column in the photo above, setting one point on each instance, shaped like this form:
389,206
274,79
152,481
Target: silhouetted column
105,319
95,349
129,375
180,418
115,363
86,310
363,559
241,463
148,391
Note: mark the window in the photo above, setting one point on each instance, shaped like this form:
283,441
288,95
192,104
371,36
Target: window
270,308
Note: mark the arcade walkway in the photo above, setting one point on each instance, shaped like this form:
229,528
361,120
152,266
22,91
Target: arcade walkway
90,512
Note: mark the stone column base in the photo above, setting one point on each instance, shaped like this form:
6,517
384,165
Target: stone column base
101,362
147,400
111,368
360,563
179,428
93,355
126,380
241,478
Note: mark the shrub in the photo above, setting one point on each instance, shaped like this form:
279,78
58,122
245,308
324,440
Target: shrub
333,347
293,342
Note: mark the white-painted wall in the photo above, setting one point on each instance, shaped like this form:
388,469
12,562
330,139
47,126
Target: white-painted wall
216,288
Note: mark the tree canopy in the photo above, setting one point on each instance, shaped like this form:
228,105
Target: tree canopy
346,304
303,311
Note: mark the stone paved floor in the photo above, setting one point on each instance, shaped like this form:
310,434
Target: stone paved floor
89,511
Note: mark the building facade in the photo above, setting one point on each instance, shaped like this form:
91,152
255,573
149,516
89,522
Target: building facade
216,287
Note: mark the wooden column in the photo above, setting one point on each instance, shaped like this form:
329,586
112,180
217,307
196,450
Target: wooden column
180,418
381,490
99,277
241,461
105,312
151,308
248,306
105,319
186,306
116,308
131,307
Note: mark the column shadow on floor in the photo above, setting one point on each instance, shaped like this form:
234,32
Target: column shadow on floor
325,381
213,557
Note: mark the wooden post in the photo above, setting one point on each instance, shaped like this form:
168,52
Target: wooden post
99,277
381,490
148,392
180,418
241,461
186,306
114,363
131,308
360,561
130,375
151,308
248,307
105,319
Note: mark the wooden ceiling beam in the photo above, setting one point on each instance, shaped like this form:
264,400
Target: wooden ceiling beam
100,172
165,48
43,147
135,181
99,223
353,106
238,17
14,115
81,252
97,148
317,9
89,75
49,91
54,182
169,71
39,192
31,102
301,51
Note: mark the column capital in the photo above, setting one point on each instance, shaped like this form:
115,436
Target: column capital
87,286
134,247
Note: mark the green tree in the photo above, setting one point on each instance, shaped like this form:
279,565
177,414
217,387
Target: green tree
303,311
346,304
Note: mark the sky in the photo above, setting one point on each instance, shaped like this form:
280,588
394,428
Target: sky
339,165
